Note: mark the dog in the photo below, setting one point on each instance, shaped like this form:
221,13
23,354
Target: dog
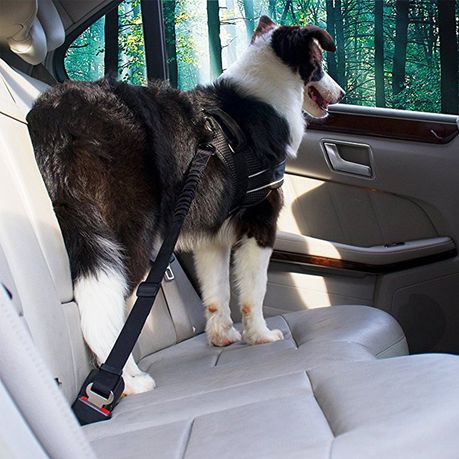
113,157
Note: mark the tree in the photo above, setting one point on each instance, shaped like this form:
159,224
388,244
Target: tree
331,57
379,53
448,56
215,46
171,40
248,18
272,10
401,40
340,45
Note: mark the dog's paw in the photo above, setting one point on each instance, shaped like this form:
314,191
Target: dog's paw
220,332
262,335
137,383
224,337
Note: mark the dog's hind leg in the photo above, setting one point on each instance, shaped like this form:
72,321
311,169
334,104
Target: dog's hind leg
100,296
251,267
100,285
212,263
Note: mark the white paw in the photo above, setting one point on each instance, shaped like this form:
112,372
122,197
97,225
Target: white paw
262,335
138,383
220,331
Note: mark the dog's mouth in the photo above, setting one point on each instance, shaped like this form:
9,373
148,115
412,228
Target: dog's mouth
317,98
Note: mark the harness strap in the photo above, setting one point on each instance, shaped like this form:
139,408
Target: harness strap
104,386
252,180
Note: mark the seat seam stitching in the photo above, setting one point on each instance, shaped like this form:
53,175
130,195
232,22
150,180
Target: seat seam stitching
392,345
188,438
218,358
282,316
319,405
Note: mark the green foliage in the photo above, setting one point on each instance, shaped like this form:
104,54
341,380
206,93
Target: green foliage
131,43
187,51
85,56
186,27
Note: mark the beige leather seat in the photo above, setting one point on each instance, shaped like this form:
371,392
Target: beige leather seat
31,28
340,385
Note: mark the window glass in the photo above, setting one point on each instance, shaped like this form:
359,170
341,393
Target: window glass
391,53
114,44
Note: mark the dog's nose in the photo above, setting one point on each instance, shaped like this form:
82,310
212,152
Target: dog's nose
341,95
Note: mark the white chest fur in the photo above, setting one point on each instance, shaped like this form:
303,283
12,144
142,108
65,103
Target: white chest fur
263,75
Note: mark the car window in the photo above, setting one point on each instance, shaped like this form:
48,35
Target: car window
114,44
392,53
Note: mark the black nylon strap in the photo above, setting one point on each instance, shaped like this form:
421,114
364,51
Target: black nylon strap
107,380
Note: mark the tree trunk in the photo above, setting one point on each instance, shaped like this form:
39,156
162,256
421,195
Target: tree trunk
232,32
272,10
171,41
401,39
287,6
249,20
215,45
341,56
448,56
379,53
331,57
111,43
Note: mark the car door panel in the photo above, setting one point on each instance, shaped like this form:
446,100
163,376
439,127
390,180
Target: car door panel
407,211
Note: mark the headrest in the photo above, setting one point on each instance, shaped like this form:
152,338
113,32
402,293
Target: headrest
31,28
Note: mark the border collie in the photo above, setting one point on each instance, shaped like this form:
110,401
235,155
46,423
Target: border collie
113,157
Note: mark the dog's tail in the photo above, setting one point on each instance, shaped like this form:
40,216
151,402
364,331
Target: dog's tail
98,273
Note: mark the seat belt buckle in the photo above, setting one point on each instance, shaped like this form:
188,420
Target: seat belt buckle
90,409
169,274
91,406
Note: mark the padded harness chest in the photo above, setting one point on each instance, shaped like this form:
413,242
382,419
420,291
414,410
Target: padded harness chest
252,180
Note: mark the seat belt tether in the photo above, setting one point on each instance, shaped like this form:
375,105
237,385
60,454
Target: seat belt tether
104,386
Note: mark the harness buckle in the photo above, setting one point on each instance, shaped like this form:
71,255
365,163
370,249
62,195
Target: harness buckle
211,125
147,289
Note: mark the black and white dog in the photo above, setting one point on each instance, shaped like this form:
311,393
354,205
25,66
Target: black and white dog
113,158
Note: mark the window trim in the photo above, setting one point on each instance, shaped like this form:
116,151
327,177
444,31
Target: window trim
394,113
154,39
405,125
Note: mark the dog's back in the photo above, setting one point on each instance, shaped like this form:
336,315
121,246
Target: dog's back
100,148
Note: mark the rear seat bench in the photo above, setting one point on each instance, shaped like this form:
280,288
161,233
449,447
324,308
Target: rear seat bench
339,385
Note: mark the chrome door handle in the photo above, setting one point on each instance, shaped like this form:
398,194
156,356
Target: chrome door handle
341,165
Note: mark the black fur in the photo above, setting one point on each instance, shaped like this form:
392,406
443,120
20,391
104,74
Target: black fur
296,47
113,158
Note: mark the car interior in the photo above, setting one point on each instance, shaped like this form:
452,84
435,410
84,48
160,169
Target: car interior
363,282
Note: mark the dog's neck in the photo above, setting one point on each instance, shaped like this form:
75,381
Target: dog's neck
261,74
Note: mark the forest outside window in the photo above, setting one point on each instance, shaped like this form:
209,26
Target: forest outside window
112,45
390,53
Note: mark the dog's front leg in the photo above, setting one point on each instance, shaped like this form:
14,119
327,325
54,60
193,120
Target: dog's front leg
212,266
251,267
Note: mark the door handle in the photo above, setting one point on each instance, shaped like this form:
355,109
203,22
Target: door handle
342,165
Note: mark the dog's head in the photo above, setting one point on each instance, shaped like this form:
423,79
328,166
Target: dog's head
300,48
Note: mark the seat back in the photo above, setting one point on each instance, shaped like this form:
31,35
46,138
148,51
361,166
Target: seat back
34,264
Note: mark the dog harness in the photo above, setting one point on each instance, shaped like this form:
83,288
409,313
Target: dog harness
252,180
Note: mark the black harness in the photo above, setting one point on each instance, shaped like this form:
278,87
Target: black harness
252,180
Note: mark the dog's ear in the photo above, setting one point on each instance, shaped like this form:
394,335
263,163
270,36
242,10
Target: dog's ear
322,36
293,43
264,25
